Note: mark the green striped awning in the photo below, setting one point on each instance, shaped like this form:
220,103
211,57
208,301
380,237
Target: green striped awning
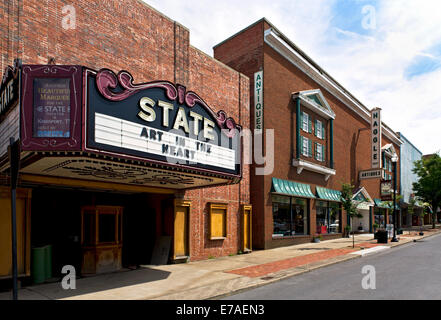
292,188
381,204
328,194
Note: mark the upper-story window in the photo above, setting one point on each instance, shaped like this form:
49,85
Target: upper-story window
306,147
319,152
315,117
306,122
319,129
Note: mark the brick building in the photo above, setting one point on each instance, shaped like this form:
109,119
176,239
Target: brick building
96,220
323,136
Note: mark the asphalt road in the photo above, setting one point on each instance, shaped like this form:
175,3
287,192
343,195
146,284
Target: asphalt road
411,271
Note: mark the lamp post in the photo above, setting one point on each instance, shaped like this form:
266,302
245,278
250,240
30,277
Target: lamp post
394,161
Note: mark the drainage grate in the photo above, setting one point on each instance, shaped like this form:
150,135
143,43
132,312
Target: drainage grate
267,278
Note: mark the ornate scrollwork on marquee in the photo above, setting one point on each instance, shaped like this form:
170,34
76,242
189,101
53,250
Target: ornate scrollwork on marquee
107,82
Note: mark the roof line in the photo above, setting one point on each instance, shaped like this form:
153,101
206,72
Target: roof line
241,31
312,62
402,136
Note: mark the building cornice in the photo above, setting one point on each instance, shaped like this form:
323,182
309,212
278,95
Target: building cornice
311,105
309,166
290,52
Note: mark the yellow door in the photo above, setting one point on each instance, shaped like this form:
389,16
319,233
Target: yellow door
181,226
246,227
23,234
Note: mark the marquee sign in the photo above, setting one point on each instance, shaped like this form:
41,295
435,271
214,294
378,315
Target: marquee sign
9,87
160,122
376,137
82,124
51,108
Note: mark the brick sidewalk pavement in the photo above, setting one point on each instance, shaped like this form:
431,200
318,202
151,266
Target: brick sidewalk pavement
266,268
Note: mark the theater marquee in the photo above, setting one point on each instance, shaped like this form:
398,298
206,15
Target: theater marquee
158,121
78,123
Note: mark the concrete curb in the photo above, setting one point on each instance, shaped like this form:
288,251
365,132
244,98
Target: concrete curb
319,265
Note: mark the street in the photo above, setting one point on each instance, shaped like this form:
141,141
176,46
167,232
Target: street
411,271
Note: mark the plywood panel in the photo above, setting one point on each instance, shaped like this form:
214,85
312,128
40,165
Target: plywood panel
218,221
5,234
246,230
181,231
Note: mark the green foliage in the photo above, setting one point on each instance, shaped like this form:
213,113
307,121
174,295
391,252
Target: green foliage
346,201
428,187
390,204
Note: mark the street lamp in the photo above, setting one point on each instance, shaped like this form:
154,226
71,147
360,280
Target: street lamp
394,161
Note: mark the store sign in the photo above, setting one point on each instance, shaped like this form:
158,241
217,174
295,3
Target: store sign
386,189
51,107
376,137
371,174
258,100
159,121
9,88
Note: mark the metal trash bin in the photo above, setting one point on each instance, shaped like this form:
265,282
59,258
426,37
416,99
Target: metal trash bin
38,262
48,261
382,236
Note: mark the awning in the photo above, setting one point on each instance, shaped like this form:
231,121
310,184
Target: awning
381,204
291,188
328,194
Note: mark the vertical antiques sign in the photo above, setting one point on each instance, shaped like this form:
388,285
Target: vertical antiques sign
258,100
52,107
376,137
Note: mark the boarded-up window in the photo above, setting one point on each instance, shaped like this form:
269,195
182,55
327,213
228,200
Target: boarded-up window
218,221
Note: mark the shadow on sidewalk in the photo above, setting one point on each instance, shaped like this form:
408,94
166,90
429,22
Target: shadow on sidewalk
92,284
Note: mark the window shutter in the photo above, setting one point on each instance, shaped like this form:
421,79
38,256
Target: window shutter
301,145
310,126
323,132
323,153
310,147
301,120
315,151
315,127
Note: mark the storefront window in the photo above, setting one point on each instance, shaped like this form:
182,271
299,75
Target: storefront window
290,216
379,215
328,217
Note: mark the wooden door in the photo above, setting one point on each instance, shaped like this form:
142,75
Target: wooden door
23,232
101,239
181,230
246,227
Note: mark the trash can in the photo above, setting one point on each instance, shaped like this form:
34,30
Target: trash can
48,261
382,236
38,264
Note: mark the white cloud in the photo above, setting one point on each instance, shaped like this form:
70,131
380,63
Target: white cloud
371,65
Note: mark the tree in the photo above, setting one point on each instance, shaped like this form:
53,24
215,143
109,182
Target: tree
349,205
390,204
428,187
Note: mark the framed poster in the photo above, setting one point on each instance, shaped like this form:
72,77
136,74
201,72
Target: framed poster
51,114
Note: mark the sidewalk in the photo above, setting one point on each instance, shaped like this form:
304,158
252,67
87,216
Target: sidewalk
212,278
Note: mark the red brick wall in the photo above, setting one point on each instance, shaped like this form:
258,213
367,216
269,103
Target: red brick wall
352,145
132,36
245,53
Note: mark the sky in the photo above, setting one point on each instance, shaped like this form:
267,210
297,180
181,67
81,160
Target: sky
387,53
